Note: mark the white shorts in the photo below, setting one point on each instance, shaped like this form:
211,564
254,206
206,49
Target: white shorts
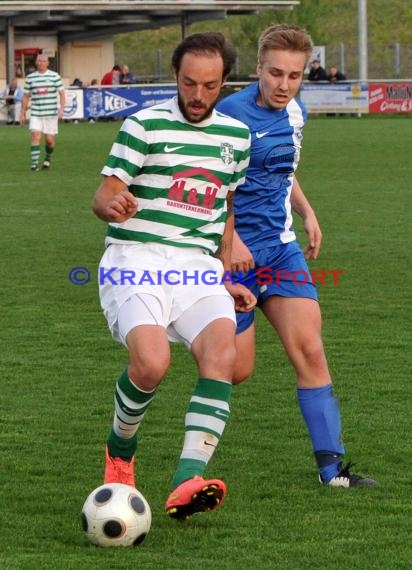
46,125
168,281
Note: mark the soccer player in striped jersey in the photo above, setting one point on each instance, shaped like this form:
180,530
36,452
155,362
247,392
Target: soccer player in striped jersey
45,89
264,238
167,196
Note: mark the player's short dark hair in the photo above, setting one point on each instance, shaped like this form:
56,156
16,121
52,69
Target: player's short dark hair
287,37
209,43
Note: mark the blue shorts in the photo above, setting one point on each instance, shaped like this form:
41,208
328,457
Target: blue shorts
279,270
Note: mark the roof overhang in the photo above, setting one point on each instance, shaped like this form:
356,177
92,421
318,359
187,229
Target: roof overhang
83,19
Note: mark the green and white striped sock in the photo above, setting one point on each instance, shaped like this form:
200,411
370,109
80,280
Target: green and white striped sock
205,421
35,154
49,151
131,404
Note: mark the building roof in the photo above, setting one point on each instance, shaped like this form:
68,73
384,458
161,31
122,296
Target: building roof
88,19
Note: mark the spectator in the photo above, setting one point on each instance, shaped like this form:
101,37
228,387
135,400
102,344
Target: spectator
13,95
335,75
317,72
112,77
77,83
127,78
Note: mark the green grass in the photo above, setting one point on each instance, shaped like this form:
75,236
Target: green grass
59,366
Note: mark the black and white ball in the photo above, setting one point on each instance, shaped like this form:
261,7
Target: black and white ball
116,515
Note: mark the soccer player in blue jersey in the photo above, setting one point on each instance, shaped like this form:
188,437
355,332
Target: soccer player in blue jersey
265,238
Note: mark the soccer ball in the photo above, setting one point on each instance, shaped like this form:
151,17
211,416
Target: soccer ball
116,515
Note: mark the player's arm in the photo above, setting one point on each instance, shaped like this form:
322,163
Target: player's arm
244,299
62,96
24,105
225,247
302,207
242,258
113,202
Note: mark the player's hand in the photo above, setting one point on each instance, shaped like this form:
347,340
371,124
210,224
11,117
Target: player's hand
245,300
314,233
121,207
241,257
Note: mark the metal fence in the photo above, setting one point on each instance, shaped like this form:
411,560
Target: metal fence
385,61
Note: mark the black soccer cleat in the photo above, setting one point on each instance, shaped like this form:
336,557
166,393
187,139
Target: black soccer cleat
345,478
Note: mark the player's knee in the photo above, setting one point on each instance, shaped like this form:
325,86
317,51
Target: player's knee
313,354
241,373
147,373
220,363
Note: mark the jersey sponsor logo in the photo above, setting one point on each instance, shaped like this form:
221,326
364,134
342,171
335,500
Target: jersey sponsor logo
281,159
226,153
172,148
260,135
195,186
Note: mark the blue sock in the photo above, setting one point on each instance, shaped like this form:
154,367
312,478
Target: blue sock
321,413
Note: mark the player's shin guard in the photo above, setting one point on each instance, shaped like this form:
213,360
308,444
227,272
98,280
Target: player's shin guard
321,413
205,421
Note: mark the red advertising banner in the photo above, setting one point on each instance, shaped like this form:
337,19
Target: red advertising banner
393,97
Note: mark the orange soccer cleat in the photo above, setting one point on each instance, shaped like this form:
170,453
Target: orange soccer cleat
117,470
195,495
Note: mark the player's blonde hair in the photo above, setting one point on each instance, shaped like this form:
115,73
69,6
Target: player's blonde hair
286,37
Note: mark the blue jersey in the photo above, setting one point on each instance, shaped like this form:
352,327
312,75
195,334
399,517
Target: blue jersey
263,213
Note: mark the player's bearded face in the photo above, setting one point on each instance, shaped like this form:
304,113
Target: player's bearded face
280,76
199,82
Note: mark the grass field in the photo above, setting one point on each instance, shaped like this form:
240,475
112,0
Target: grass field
59,365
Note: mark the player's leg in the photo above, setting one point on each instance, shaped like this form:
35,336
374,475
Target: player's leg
290,304
213,348
36,132
245,352
141,330
298,324
49,149
245,332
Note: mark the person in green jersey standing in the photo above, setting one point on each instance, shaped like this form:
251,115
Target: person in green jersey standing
167,196
45,90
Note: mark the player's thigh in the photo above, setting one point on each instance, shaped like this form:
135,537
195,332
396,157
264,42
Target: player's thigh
297,320
208,327
141,329
245,354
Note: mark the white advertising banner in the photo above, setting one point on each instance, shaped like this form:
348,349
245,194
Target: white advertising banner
74,108
335,97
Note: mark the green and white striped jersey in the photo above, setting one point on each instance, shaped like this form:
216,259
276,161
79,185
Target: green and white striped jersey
180,173
43,89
